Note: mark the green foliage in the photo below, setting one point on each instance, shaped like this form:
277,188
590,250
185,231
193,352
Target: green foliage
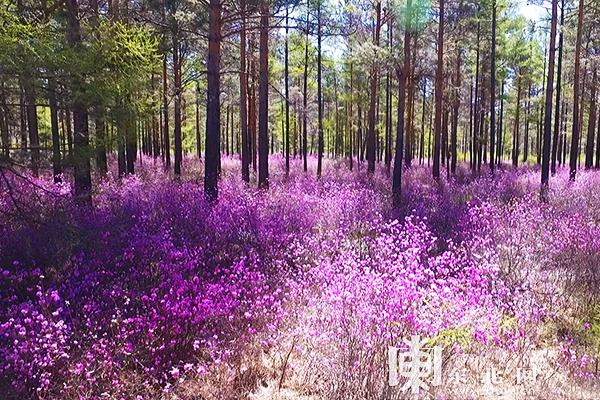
412,14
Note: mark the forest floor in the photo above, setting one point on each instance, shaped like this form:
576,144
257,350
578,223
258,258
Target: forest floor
298,291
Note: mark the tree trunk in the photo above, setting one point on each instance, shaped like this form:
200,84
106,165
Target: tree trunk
32,124
130,139
422,143
548,105
597,165
101,162
476,104
493,91
526,138
263,95
558,91
244,98
388,110
402,77
320,143
167,141
56,162
589,146
81,153
351,118
516,136
501,127
454,132
177,103
287,96
374,80
439,76
198,134
305,94
4,113
213,108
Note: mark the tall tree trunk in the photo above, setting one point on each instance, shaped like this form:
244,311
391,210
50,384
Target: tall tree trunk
501,127
471,125
305,93
287,95
244,98
516,136
121,134
130,138
526,138
101,162
23,119
388,110
252,118
374,80
167,141
589,146
81,153
456,107
548,104
177,103
597,165
493,91
226,131
4,113
56,162
422,142
481,130
32,124
402,77
198,134
439,77
476,104
561,135
558,91
213,108
320,143
351,134
263,96
409,139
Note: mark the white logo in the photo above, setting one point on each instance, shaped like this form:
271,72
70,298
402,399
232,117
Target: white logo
418,365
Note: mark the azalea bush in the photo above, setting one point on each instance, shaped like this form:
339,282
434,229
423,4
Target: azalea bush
156,292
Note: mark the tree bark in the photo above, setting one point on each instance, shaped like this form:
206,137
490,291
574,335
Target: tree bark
439,77
493,92
456,108
244,98
198,134
558,91
374,80
177,103
56,162
81,152
548,104
526,138
32,124
516,131
101,162
320,143
287,96
589,146
167,141
263,95
402,77
305,94
213,108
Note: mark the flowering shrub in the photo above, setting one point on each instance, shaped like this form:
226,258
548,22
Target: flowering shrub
155,291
